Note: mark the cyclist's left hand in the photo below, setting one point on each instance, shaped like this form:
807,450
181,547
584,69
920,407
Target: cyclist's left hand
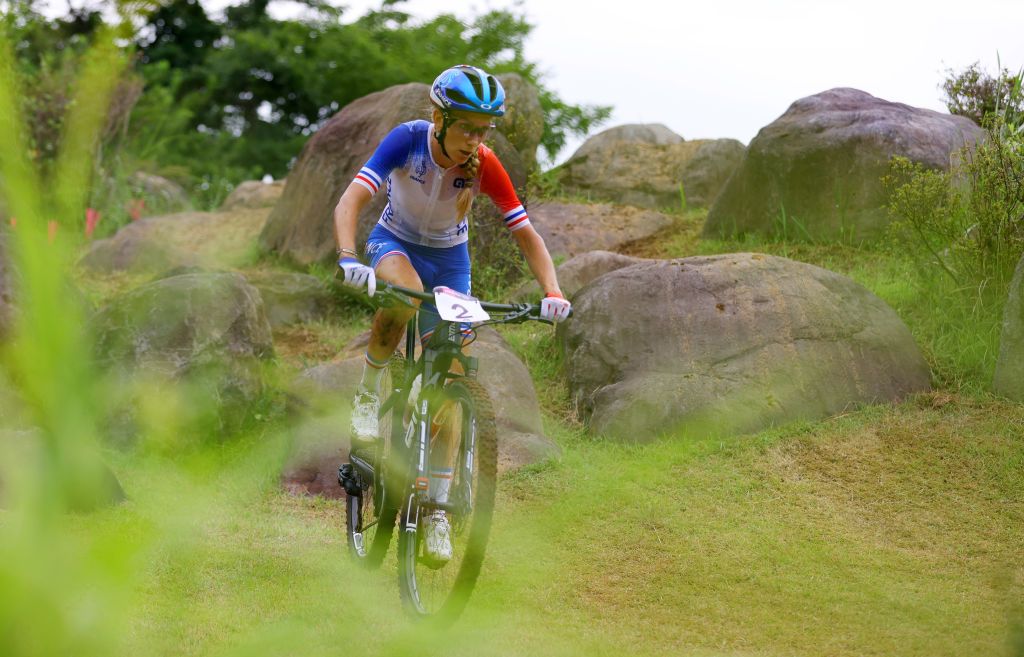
555,307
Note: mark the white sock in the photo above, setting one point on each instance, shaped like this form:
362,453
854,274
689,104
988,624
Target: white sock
440,485
372,371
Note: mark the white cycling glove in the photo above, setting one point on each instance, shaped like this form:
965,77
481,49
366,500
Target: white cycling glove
554,307
358,275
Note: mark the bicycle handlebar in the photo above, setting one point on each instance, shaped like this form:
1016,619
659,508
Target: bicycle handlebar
523,310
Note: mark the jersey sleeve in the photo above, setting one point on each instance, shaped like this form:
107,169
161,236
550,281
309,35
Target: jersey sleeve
391,154
494,182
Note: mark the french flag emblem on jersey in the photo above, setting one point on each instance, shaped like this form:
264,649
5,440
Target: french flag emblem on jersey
368,179
516,218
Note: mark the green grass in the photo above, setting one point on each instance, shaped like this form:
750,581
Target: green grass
891,530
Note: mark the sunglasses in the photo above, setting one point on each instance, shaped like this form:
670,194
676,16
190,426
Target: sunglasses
470,130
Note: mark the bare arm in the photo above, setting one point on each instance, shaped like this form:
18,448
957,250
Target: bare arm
346,215
537,256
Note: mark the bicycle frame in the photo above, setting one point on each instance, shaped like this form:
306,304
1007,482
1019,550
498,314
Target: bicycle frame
434,365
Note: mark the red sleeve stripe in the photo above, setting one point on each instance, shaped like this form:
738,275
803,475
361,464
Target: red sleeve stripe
368,179
519,209
521,222
365,183
371,174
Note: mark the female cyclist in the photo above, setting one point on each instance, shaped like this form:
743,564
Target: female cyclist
432,170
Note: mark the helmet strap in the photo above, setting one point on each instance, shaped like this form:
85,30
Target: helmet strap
446,121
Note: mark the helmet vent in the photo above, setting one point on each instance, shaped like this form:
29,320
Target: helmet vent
478,88
458,97
492,84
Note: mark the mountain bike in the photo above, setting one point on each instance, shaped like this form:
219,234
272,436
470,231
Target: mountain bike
427,405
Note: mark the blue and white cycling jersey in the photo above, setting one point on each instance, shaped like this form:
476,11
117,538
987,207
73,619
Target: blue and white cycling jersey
422,195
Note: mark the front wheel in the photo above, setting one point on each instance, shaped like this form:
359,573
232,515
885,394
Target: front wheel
440,591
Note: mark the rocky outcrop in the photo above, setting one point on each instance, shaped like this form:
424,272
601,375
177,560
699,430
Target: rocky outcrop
570,229
577,272
187,239
301,225
1009,377
207,331
292,298
731,344
159,194
815,172
253,194
523,123
650,166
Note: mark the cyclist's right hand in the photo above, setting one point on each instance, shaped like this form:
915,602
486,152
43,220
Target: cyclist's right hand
358,275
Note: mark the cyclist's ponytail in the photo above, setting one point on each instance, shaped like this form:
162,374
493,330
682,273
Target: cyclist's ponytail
464,201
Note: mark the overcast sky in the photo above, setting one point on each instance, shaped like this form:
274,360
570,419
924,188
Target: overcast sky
728,68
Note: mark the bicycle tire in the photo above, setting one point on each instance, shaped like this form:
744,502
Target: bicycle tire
441,593
377,506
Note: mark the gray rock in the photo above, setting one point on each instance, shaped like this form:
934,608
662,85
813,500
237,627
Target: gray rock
187,239
523,123
206,331
570,229
705,173
301,225
291,298
1009,377
646,165
731,344
253,194
160,194
577,272
815,172
654,134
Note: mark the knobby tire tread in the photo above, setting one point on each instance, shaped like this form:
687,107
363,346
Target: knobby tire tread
480,523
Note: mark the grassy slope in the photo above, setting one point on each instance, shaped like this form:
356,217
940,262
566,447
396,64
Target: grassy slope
889,531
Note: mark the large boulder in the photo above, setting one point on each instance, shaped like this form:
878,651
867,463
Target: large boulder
301,226
575,273
207,330
186,239
815,172
253,194
292,298
648,165
1009,377
523,123
570,229
326,388
731,344
159,194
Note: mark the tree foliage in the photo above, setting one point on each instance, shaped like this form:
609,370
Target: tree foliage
235,96
256,88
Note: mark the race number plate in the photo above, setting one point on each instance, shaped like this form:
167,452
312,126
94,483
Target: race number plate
457,307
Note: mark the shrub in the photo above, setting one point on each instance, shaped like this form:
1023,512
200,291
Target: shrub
979,96
967,223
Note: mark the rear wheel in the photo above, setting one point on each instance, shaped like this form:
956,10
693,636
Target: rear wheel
370,515
441,592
